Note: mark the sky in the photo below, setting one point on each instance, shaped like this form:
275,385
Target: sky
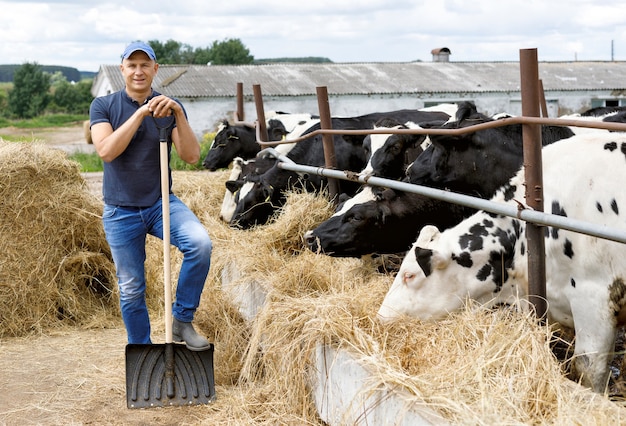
86,34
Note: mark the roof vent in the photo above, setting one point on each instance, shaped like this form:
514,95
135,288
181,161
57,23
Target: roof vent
441,54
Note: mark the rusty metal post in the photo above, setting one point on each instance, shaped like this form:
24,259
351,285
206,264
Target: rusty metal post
240,114
531,136
260,113
542,100
327,139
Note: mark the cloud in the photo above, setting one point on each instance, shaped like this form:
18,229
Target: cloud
86,34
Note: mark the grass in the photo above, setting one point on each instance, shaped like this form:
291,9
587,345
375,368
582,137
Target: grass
93,163
47,120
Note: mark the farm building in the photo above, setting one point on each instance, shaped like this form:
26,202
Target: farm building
360,88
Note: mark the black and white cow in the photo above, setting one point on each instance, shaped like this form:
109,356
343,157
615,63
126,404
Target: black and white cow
390,154
380,220
484,257
234,140
261,198
248,170
475,164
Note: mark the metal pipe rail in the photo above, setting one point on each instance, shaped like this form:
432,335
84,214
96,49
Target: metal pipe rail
618,127
519,212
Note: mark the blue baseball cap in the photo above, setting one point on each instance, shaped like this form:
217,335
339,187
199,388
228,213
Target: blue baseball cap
139,45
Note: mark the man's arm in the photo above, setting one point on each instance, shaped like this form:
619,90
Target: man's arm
110,144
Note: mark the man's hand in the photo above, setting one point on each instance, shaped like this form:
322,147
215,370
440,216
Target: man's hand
161,106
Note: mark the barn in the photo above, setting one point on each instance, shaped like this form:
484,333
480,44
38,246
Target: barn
359,88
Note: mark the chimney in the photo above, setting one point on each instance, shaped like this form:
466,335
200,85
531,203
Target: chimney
441,54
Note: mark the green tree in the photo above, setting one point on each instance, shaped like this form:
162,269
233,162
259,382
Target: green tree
227,52
73,98
230,52
29,96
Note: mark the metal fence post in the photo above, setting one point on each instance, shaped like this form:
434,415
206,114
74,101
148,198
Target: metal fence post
240,113
531,137
327,139
260,113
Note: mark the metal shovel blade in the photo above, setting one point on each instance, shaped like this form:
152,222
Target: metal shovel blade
159,375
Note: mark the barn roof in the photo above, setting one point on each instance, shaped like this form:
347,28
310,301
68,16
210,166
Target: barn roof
295,79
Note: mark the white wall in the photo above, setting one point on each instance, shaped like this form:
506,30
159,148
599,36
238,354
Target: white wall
204,115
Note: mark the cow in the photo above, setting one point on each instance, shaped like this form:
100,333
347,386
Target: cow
379,220
248,170
390,154
614,114
475,164
484,257
261,198
233,140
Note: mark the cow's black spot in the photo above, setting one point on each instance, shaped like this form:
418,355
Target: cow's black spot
614,206
611,146
464,259
423,257
487,223
484,272
558,209
568,250
509,191
599,206
473,240
572,282
517,228
522,249
623,148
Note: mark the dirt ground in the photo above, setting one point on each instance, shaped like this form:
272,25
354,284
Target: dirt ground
73,376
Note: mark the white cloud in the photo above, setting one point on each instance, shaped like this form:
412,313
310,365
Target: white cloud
86,34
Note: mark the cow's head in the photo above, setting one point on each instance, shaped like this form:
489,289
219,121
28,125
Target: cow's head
230,141
474,260
422,288
261,196
359,215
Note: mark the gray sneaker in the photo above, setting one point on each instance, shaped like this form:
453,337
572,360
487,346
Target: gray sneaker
184,332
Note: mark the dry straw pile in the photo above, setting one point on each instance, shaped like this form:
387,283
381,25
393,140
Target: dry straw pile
476,367
56,267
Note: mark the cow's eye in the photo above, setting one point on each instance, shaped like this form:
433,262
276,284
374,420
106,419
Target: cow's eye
406,277
354,218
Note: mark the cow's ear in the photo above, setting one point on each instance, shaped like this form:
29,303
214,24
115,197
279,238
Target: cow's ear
428,234
233,185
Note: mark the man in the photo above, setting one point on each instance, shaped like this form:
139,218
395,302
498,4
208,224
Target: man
125,132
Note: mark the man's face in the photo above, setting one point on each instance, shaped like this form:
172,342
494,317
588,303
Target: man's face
138,71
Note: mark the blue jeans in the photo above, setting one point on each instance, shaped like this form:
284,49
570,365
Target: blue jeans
126,229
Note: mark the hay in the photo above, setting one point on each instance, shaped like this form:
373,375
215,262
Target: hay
56,268
476,367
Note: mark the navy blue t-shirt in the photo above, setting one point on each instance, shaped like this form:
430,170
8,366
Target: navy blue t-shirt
133,179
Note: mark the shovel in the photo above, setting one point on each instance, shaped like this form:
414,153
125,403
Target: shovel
169,374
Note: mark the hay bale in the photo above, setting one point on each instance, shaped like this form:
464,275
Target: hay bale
56,267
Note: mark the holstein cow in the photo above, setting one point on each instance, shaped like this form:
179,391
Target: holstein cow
259,199
248,170
378,220
475,163
484,257
241,169
390,154
240,140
